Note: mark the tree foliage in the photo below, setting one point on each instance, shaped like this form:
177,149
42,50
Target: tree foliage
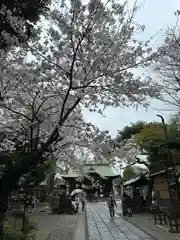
151,135
87,60
128,173
82,70
132,171
38,174
126,146
15,18
128,131
166,67
150,140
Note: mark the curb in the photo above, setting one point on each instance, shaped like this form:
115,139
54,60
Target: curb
86,224
135,225
79,233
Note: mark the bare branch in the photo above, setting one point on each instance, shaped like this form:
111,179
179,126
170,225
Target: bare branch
14,111
46,59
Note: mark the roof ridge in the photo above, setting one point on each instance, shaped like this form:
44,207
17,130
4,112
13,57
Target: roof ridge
96,164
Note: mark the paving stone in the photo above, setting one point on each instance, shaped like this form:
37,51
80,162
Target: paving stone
133,237
102,227
121,237
117,234
107,236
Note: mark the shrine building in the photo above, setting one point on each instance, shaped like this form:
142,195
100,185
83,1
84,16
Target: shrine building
92,178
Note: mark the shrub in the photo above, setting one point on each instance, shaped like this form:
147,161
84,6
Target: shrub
27,234
29,226
14,235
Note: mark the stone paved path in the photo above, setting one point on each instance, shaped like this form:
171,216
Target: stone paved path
101,227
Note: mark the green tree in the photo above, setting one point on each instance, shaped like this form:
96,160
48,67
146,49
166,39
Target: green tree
152,141
38,174
128,173
128,131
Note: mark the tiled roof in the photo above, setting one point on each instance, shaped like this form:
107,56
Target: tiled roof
136,179
71,174
104,170
133,180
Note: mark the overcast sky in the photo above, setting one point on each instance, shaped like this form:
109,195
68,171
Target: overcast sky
156,15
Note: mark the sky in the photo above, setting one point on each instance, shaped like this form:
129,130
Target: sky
155,15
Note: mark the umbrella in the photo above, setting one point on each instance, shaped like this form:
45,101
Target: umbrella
76,191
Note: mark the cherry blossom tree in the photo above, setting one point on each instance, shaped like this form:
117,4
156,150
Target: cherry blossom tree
127,150
17,20
86,59
166,67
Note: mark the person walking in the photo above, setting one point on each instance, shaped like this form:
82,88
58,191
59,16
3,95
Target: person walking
127,205
96,196
77,203
28,203
83,200
111,205
33,201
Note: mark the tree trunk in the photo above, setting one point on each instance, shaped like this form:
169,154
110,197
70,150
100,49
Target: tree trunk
149,192
10,179
4,195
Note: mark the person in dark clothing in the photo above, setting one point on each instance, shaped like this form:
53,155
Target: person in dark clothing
111,205
124,202
127,205
96,196
28,203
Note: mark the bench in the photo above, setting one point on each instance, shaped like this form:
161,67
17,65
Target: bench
159,216
172,213
173,220
168,213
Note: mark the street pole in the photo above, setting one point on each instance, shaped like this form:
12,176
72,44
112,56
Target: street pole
170,158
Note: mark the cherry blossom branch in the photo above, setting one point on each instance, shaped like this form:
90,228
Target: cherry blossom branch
88,28
14,111
71,72
46,59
